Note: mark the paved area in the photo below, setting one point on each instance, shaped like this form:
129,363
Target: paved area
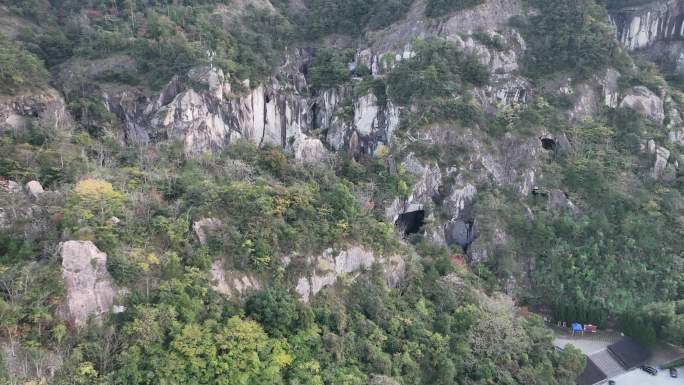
608,365
589,343
665,353
639,377
595,346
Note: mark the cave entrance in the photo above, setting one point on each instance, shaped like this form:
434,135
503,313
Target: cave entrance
314,116
410,222
548,144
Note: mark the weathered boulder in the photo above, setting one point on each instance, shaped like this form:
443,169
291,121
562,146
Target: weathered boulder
90,290
662,156
113,221
204,226
645,102
34,189
10,186
47,107
310,150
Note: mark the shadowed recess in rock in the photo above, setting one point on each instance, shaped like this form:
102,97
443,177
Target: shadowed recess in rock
548,144
410,222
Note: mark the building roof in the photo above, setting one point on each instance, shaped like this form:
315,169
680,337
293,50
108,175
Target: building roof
629,353
591,374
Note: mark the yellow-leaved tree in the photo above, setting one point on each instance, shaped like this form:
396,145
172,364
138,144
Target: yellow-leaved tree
93,200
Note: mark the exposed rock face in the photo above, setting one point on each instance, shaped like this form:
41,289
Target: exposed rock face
559,200
90,291
611,88
505,90
461,232
675,122
205,115
662,156
461,229
491,16
194,118
645,102
513,162
460,201
643,26
586,103
676,135
204,226
48,107
330,266
232,283
428,180
201,110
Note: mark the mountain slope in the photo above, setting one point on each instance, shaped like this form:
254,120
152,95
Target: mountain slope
334,192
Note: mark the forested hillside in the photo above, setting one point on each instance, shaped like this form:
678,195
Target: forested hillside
334,192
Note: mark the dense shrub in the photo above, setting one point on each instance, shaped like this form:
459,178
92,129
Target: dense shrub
572,36
277,311
618,255
616,4
329,69
351,16
19,69
437,8
438,69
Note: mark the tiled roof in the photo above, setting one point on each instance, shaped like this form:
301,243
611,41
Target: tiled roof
591,374
629,353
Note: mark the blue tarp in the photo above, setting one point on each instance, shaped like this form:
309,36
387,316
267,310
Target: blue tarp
577,327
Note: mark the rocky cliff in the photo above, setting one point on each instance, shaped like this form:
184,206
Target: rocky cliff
643,26
206,110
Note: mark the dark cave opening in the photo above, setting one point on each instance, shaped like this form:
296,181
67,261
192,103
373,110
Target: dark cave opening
314,116
411,222
548,144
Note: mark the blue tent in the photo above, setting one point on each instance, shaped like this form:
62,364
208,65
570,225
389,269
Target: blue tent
577,327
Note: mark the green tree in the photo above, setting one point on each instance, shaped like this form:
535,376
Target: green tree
329,69
436,8
572,36
19,69
276,310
